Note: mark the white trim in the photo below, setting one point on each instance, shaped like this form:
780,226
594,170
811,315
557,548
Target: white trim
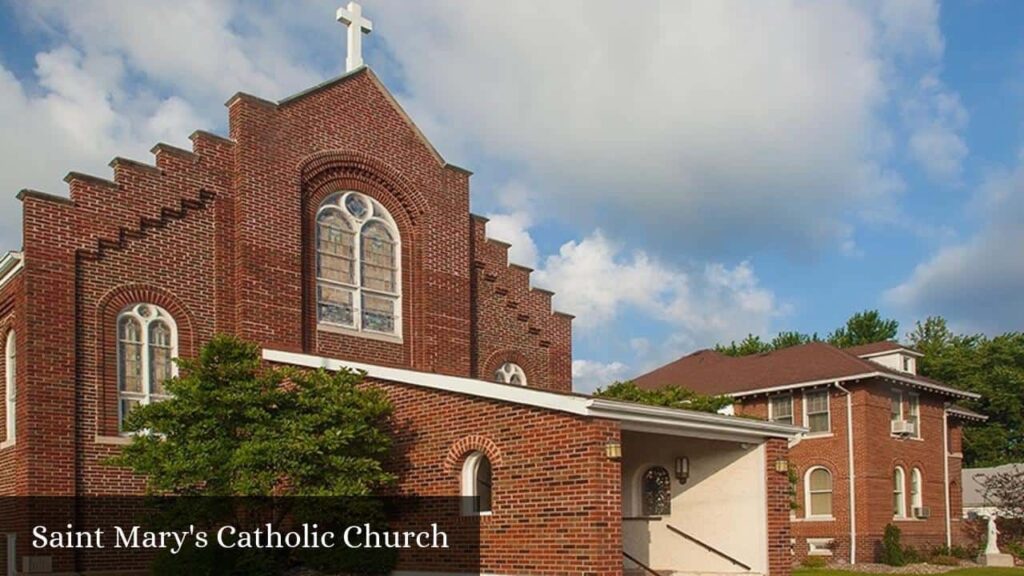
10,265
146,396
864,376
916,489
633,416
11,388
828,413
900,513
890,351
470,471
945,472
914,400
820,546
771,411
807,494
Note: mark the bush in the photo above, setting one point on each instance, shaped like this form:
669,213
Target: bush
814,562
962,553
944,560
892,551
912,556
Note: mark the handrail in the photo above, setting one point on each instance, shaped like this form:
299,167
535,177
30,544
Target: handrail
640,564
707,547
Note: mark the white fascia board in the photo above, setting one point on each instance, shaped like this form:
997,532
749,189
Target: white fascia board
891,351
10,265
632,416
912,381
458,384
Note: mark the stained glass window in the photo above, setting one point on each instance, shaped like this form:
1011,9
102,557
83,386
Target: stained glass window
510,373
357,265
657,492
146,347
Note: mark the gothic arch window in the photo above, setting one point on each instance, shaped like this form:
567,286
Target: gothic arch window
656,492
510,373
147,343
358,265
818,492
477,480
10,385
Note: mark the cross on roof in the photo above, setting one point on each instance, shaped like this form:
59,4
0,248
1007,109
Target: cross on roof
352,17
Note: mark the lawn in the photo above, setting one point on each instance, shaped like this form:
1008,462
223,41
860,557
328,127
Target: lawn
959,572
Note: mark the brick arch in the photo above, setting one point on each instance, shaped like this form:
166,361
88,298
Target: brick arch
499,357
466,445
107,309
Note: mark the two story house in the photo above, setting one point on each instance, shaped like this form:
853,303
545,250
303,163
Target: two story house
883,443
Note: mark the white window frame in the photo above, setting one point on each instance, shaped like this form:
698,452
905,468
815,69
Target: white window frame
914,411
807,493
828,412
896,396
469,481
916,489
376,213
899,493
771,407
509,371
146,396
820,546
10,389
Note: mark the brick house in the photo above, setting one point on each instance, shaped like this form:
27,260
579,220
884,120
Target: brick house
883,444
327,229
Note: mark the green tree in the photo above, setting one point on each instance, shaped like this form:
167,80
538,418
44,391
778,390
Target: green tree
788,339
992,367
864,328
234,428
749,345
669,397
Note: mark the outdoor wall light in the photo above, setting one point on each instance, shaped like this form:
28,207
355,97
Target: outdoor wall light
782,465
682,469
613,450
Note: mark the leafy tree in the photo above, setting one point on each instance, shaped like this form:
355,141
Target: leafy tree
1005,491
788,339
864,328
234,428
668,396
749,345
992,367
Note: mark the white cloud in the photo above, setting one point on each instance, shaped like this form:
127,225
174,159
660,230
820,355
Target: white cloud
589,375
937,119
512,225
977,284
596,279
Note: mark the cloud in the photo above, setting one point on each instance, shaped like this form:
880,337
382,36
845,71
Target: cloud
937,119
589,375
600,282
977,284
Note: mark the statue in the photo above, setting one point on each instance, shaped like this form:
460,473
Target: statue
992,555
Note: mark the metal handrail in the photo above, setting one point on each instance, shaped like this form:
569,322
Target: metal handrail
640,564
708,547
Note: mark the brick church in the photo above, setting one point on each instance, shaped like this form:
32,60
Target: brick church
327,229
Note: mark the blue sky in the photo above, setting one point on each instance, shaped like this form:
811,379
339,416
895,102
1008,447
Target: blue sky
710,170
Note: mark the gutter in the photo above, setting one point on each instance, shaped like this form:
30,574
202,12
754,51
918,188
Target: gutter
10,265
851,472
945,471
889,375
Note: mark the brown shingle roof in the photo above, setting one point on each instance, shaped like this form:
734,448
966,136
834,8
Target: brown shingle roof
710,372
877,347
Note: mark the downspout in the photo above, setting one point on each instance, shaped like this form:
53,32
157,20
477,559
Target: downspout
945,470
852,473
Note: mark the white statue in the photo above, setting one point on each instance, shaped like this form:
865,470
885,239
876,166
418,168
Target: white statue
992,546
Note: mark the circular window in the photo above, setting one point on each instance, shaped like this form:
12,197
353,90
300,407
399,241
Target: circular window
510,373
356,206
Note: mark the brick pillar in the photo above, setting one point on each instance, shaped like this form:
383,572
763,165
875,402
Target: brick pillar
780,562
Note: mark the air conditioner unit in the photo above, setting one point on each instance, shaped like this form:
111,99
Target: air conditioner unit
922,512
903,427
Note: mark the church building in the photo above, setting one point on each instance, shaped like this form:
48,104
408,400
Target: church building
327,229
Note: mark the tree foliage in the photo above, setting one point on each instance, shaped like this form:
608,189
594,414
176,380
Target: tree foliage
668,396
1005,490
235,428
992,367
864,328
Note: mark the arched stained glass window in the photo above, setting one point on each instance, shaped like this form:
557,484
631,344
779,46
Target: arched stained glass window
147,343
656,492
510,373
358,265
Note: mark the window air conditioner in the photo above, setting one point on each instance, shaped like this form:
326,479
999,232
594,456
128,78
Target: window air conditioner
922,512
903,427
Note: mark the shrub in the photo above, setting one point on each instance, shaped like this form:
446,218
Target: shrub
944,560
912,556
961,552
814,562
892,551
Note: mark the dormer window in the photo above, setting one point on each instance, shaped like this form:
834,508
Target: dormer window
358,266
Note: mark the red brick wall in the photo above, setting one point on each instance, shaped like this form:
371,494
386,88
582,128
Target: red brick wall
876,454
780,559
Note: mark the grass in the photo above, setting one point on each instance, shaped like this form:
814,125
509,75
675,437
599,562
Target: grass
980,571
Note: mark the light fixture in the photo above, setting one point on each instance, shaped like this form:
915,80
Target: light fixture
613,450
682,469
782,465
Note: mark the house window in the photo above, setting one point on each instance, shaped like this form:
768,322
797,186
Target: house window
820,546
906,364
358,272
816,411
147,343
11,385
914,413
656,492
818,494
780,409
899,503
916,500
510,373
896,406
476,485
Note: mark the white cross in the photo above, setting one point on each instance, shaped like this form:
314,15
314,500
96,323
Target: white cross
352,16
